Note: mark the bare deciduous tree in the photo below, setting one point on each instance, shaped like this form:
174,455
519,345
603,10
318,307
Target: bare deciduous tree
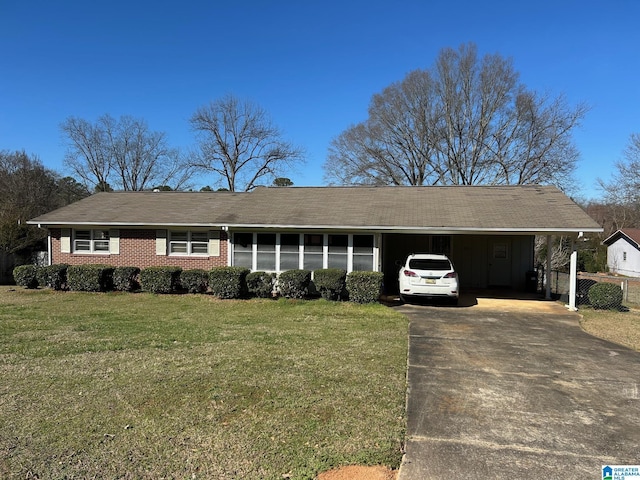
622,192
466,121
122,153
238,142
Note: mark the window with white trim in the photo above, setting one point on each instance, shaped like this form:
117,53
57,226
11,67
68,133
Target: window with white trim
313,251
278,252
363,252
266,251
338,251
243,250
289,251
188,243
91,241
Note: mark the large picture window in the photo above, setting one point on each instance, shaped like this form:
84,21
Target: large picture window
277,252
266,251
363,252
188,243
243,250
313,251
338,251
289,251
91,241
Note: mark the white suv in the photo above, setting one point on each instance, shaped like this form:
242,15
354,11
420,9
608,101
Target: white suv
428,275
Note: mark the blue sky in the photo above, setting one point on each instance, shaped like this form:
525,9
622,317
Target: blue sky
312,65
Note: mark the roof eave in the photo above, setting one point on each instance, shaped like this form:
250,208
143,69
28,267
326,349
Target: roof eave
426,229
442,230
121,224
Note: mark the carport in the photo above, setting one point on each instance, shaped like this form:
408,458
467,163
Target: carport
488,232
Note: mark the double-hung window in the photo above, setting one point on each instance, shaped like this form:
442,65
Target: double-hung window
188,243
91,241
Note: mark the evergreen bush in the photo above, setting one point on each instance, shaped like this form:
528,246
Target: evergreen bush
125,279
26,276
53,276
330,282
228,282
160,279
90,278
260,284
364,287
195,280
605,295
294,283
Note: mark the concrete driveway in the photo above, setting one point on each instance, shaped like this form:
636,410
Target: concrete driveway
505,389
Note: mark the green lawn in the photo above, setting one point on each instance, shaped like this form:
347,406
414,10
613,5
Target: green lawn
621,327
187,386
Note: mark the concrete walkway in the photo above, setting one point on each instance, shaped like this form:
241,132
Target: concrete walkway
515,389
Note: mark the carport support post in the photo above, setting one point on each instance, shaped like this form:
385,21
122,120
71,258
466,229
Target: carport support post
573,275
572,278
547,295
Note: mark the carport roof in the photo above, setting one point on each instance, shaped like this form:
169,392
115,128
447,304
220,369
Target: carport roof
442,209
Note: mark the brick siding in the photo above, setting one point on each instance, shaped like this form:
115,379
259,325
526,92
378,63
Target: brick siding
137,249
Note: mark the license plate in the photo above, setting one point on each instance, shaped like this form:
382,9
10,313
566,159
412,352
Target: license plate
429,281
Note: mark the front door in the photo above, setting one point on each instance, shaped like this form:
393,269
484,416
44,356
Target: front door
500,263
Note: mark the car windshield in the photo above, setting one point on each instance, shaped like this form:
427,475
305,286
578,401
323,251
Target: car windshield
429,264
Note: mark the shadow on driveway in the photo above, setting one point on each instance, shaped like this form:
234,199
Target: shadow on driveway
516,390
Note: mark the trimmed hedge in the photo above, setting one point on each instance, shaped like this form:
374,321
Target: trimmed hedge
260,284
294,283
604,295
195,280
90,278
330,282
125,279
26,276
228,282
160,279
364,287
53,276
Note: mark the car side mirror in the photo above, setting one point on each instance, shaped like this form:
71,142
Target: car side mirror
399,263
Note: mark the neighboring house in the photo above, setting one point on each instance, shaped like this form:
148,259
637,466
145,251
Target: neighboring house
623,252
488,231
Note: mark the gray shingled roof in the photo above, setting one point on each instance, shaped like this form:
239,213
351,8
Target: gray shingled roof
446,209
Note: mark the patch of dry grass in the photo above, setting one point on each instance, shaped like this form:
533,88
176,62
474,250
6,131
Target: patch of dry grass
621,327
144,386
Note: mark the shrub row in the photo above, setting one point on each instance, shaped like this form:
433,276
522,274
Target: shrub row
223,282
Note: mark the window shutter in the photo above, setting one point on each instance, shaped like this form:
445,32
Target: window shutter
214,243
114,241
65,240
161,242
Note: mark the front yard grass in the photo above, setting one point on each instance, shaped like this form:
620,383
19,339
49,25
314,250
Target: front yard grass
621,327
144,386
